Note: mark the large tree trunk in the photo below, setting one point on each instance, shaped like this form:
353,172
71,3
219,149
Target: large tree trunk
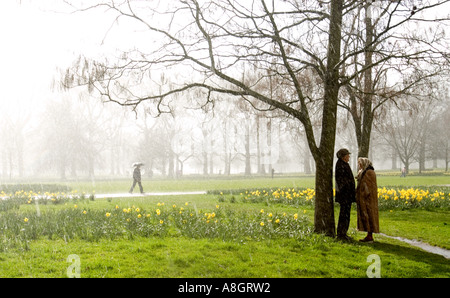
324,208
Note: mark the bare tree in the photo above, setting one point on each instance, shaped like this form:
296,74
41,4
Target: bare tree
13,136
213,43
440,145
416,53
406,129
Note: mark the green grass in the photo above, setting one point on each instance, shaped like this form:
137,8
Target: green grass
250,252
430,226
383,180
316,256
233,182
238,182
192,184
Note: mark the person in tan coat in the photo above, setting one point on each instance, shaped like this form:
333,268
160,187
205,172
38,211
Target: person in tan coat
367,199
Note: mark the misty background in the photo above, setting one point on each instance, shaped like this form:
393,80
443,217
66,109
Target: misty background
47,132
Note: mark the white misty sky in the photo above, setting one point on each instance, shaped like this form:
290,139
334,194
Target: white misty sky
36,38
39,36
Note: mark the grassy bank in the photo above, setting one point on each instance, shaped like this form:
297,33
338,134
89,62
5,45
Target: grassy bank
213,235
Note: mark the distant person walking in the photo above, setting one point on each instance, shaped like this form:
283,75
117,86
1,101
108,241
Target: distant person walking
137,177
403,172
367,199
345,192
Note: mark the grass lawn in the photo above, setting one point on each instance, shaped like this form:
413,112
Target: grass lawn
430,226
257,252
186,258
238,182
192,184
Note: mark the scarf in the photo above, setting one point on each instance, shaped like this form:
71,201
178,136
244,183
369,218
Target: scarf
366,164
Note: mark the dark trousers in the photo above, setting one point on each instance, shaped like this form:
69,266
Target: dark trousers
134,184
344,219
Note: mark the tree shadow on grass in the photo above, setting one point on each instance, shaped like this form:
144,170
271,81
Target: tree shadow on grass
429,264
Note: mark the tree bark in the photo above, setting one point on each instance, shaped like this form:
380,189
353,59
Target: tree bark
324,207
364,141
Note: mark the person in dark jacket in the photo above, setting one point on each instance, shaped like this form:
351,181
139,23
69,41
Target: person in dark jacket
137,177
345,192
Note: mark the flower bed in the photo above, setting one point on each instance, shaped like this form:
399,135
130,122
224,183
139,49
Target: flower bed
388,197
76,221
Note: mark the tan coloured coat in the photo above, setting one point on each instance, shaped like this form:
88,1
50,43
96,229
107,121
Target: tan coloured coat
367,203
